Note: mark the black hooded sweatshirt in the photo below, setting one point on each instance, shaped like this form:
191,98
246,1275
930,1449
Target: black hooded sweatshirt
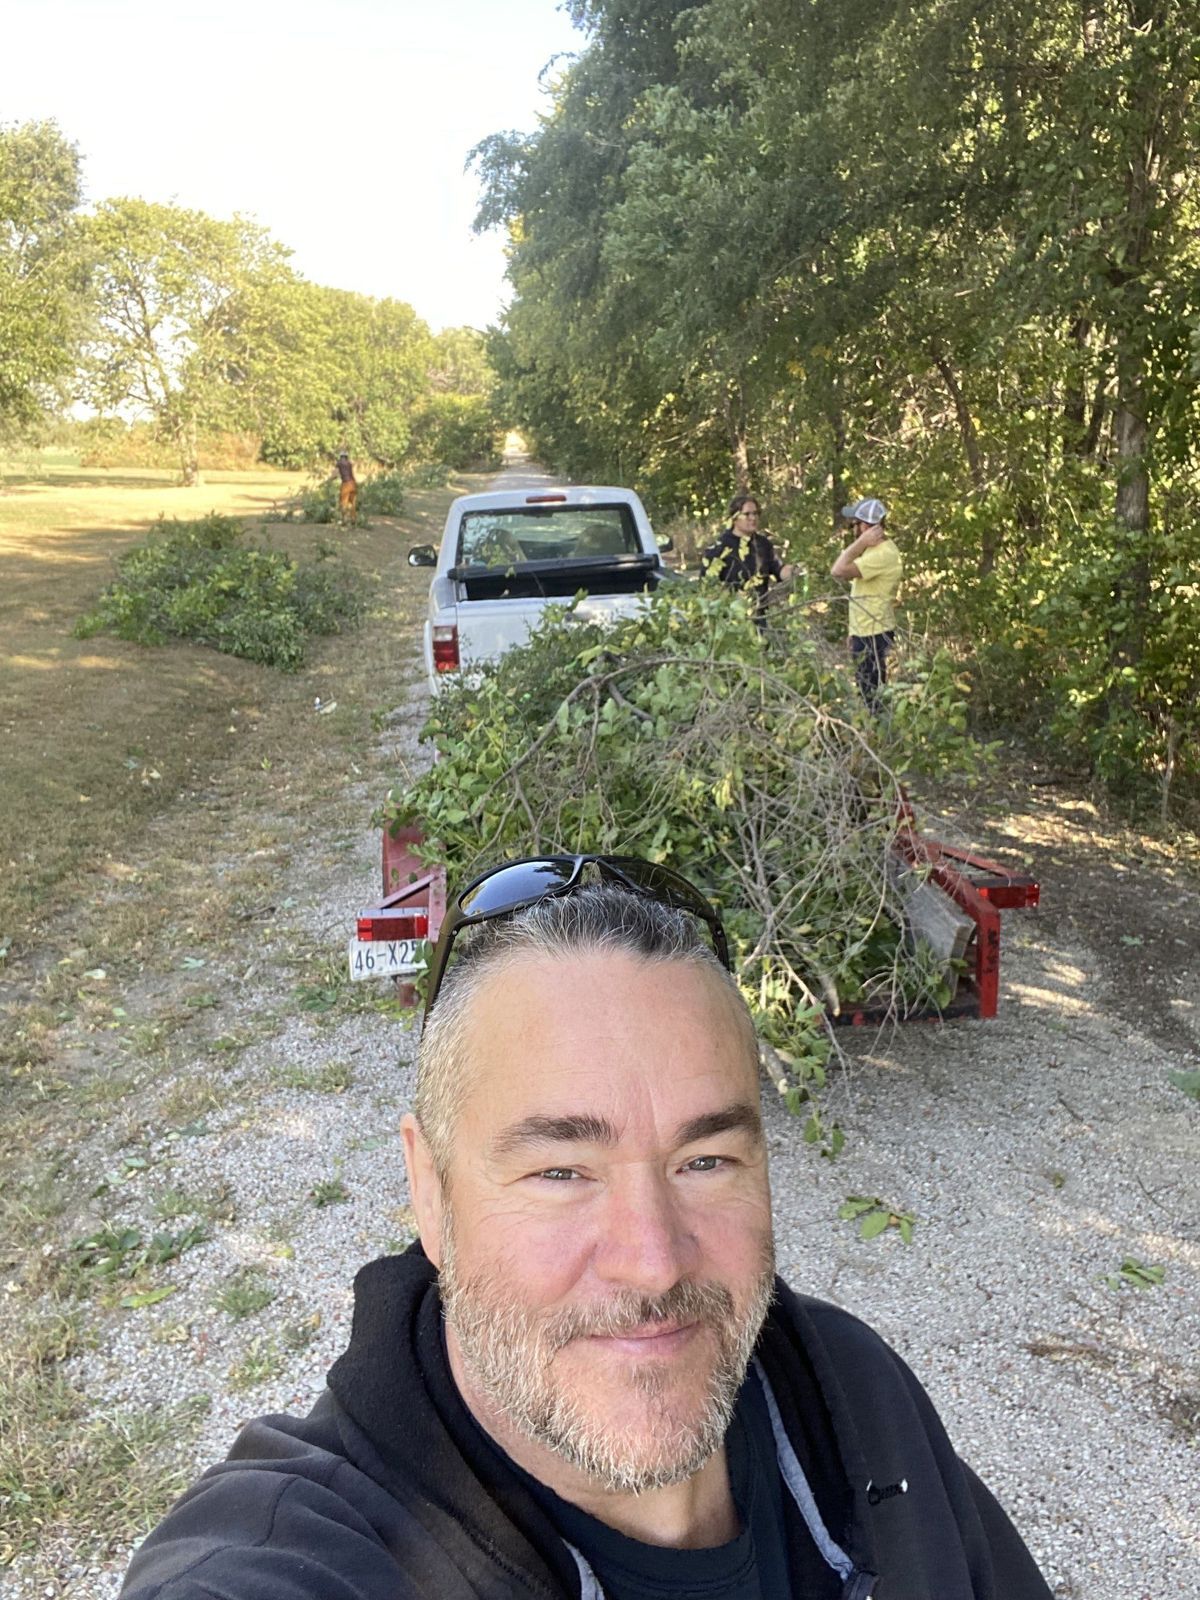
382,1492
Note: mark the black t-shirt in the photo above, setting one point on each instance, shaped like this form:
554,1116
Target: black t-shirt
736,559
772,1557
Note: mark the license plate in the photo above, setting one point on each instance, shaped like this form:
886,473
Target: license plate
384,958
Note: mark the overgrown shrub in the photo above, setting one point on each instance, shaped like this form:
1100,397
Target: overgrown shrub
383,495
743,759
430,475
379,496
458,429
201,581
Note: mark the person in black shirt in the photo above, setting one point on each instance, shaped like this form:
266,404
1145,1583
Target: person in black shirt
743,556
585,1382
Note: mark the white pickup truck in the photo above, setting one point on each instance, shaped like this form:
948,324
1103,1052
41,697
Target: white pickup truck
507,554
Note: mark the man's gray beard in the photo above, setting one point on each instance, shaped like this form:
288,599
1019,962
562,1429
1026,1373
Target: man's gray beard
508,1351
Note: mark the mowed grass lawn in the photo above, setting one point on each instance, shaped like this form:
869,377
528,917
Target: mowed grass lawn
99,735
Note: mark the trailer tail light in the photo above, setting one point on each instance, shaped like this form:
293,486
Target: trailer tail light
545,499
445,648
394,925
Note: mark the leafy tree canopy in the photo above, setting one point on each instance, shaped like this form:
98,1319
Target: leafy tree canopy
42,279
939,253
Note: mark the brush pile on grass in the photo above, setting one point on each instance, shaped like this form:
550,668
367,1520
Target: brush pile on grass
201,581
378,496
742,758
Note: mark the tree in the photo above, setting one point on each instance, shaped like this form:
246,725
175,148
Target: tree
353,373
943,252
192,319
460,363
42,279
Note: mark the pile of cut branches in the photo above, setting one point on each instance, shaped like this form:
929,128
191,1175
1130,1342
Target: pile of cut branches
202,581
743,759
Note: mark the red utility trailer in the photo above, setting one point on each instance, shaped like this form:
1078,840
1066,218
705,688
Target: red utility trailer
390,934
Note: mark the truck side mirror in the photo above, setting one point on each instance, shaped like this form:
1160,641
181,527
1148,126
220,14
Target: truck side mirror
422,555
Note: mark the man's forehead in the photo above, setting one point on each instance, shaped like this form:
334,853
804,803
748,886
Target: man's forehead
567,1009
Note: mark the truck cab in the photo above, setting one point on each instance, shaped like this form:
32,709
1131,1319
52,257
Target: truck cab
507,554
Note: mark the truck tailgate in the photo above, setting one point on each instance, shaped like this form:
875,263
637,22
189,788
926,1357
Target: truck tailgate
487,628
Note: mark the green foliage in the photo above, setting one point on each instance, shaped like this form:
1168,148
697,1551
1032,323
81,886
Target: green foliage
264,1360
945,255
244,1294
200,581
459,430
686,735
1134,1274
193,320
378,496
1186,1082
367,376
874,1217
42,271
116,1251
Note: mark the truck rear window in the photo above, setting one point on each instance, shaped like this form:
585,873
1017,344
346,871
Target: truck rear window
504,539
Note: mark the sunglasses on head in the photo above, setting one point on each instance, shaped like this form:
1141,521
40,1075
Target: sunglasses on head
511,888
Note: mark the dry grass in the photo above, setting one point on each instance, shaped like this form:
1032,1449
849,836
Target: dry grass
65,1468
123,893
87,724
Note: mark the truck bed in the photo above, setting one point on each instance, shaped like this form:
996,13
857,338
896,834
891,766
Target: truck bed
559,580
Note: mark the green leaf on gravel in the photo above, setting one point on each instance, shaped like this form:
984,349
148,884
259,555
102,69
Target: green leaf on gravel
1135,1274
873,1225
315,997
191,1130
1187,1082
149,1297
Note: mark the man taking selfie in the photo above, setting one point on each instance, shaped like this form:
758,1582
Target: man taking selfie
586,1381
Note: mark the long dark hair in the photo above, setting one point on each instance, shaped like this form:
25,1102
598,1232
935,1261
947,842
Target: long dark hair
740,500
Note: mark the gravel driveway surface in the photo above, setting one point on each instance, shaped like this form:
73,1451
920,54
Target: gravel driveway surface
1036,1152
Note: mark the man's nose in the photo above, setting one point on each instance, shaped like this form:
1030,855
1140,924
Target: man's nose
646,1243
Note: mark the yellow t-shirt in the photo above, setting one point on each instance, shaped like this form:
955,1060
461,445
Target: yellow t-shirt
873,595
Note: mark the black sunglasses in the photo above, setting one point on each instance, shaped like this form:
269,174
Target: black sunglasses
506,890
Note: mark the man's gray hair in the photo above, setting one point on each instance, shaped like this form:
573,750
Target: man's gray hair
596,918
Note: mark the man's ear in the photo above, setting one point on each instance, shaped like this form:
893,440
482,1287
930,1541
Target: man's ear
424,1186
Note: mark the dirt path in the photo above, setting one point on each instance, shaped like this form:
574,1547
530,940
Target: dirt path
224,1085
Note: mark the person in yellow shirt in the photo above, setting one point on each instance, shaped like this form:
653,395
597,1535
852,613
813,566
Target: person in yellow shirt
874,567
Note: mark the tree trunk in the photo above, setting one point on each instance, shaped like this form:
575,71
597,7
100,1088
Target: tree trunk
1131,591
189,466
735,426
1131,511
967,431
1075,428
968,435
1091,442
837,476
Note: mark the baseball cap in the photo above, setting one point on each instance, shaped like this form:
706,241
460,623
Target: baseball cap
872,511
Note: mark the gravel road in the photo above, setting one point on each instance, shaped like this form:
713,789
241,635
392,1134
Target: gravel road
1036,1152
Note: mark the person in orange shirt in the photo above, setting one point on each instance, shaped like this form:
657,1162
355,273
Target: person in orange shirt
348,493
874,567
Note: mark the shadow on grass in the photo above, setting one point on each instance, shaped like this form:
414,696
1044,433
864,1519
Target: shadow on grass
151,478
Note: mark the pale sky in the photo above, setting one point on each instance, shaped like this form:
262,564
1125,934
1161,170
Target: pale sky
275,108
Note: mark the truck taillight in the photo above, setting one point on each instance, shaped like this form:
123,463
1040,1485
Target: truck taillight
394,925
445,648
